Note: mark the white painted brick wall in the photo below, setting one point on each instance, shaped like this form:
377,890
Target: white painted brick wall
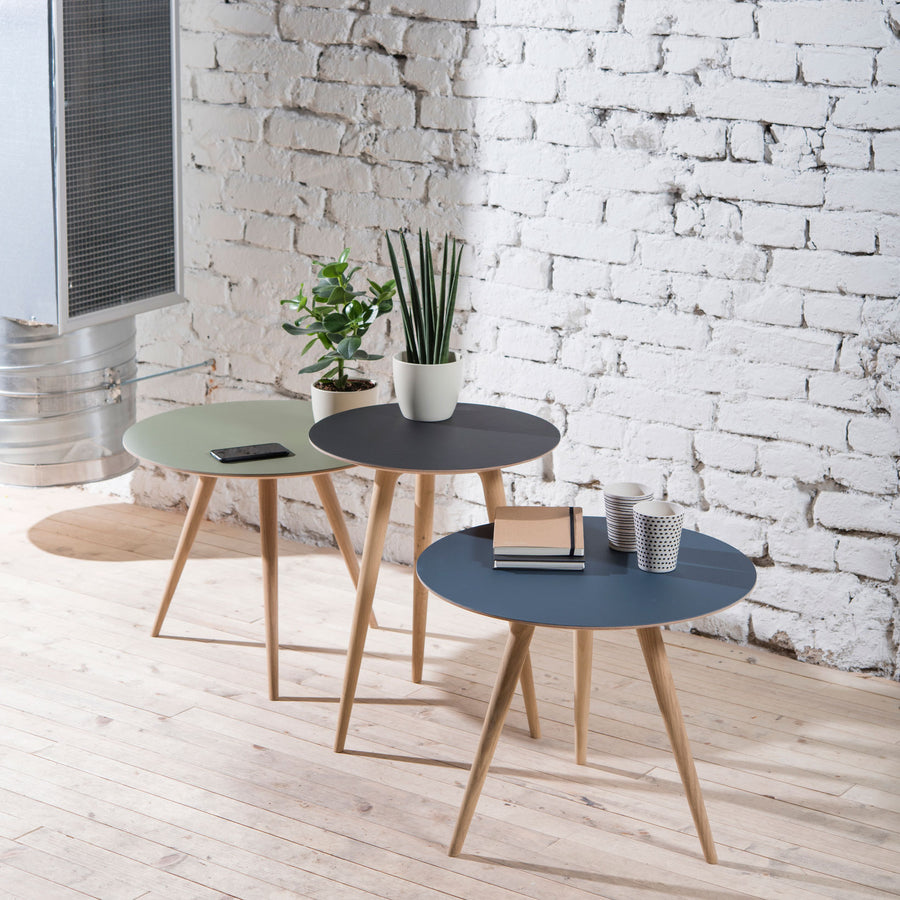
682,221
850,66
771,225
689,55
767,61
695,17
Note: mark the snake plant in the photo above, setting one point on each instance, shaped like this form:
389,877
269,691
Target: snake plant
428,313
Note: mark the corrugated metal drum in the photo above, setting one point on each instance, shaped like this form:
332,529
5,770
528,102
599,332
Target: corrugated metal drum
62,410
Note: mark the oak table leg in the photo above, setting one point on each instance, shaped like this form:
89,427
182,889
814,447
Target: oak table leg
268,538
199,502
526,677
657,661
514,657
424,531
494,496
584,647
331,505
379,514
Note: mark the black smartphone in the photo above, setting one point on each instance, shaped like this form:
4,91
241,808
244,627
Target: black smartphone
250,452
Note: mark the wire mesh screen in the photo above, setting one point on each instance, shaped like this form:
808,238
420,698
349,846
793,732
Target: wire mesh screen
119,150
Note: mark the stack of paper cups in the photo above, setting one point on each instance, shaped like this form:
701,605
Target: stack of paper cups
619,499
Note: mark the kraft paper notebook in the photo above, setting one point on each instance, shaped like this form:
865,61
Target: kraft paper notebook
539,537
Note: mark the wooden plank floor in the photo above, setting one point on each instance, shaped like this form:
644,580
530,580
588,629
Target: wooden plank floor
134,767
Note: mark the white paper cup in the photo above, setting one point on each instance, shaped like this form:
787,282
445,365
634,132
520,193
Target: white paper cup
626,490
619,499
657,532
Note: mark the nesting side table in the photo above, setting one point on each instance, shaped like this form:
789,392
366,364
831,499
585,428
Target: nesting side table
475,439
182,438
611,592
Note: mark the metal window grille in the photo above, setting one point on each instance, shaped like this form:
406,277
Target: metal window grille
119,158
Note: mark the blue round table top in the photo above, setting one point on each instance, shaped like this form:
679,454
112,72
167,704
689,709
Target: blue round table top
475,438
611,592
181,439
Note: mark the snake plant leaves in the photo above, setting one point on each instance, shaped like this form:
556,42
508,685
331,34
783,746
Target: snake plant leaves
427,316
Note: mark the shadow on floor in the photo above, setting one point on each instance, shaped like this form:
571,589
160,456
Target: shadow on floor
140,535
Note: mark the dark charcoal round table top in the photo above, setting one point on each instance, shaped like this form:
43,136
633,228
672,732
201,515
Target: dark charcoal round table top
474,439
611,592
182,438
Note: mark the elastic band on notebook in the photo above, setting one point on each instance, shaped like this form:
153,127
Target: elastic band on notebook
571,531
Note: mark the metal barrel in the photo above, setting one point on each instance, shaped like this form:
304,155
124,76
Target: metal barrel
62,409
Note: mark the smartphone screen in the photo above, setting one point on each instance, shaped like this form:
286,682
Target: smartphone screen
250,452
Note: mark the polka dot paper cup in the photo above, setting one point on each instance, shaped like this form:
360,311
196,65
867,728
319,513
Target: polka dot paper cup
657,532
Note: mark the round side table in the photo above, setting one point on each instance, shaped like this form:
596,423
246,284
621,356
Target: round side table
181,440
611,592
475,439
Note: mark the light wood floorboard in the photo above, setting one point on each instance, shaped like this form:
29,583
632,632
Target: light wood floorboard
134,768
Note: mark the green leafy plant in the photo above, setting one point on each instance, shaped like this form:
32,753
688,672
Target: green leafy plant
428,314
337,317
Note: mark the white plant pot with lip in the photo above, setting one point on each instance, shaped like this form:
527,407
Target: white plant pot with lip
427,392
327,403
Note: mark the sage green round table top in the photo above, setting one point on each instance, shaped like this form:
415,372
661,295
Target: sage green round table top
182,438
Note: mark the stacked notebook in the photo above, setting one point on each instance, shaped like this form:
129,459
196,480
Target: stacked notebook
539,537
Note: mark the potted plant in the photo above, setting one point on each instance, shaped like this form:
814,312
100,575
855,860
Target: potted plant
427,375
336,317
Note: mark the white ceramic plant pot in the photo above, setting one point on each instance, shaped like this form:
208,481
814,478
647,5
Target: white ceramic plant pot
327,403
427,393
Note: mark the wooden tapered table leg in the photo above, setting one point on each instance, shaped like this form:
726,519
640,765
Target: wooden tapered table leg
199,502
657,661
424,531
379,515
331,505
526,677
268,539
494,496
514,656
584,648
